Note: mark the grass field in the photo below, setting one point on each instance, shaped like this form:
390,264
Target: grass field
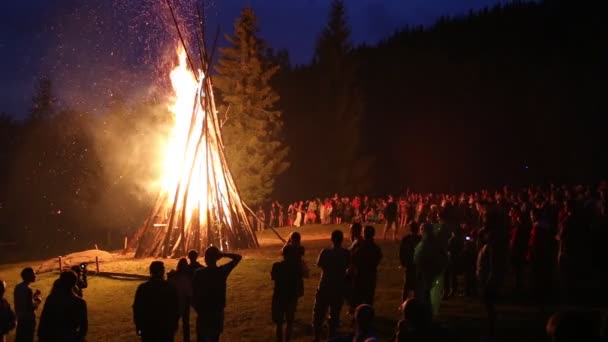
250,290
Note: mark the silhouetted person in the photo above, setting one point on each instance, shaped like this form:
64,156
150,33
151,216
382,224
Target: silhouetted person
455,248
210,294
64,315
429,261
8,320
330,293
26,302
286,275
356,236
406,257
390,215
194,264
571,326
486,278
541,258
365,260
82,282
571,248
364,326
518,243
156,307
295,240
416,325
181,279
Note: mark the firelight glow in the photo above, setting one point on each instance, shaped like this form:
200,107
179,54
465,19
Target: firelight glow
198,203
185,154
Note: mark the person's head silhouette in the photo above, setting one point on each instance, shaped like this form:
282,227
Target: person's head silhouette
157,269
212,255
415,313
337,237
192,255
364,317
28,275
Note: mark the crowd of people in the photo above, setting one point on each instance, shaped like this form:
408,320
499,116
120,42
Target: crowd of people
557,233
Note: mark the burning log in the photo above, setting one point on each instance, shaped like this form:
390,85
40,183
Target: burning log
199,203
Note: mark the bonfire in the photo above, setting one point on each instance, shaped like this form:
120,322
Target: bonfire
199,203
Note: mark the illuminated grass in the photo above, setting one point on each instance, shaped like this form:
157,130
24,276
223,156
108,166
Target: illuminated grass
250,290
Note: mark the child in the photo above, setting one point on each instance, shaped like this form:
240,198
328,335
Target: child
287,277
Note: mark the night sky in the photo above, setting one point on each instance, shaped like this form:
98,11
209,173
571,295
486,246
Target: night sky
94,50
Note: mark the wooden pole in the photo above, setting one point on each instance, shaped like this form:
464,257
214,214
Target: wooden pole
60,263
126,242
97,264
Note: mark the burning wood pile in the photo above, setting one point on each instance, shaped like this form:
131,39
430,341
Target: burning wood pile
199,203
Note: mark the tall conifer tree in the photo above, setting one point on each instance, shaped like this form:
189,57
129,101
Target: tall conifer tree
251,124
341,105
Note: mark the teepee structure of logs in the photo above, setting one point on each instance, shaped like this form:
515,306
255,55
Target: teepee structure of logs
199,203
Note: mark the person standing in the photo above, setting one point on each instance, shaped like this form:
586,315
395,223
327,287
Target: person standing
365,259
406,257
295,241
261,218
64,315
402,213
332,285
486,259
26,302
286,275
8,320
281,216
82,283
299,209
181,279
390,215
194,264
429,261
156,307
210,294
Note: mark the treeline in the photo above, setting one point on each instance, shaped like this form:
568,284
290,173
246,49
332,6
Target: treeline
512,94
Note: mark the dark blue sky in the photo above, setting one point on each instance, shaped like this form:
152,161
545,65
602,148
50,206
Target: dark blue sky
96,49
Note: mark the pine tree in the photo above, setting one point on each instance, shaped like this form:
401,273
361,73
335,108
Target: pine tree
252,126
341,105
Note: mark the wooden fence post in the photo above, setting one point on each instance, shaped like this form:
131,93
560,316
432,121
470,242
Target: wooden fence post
60,263
97,264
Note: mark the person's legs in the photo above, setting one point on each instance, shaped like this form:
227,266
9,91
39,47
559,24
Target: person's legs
186,323
395,229
25,331
334,316
290,314
386,228
209,326
279,331
319,312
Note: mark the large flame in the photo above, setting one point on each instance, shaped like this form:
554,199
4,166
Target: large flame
199,203
187,163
